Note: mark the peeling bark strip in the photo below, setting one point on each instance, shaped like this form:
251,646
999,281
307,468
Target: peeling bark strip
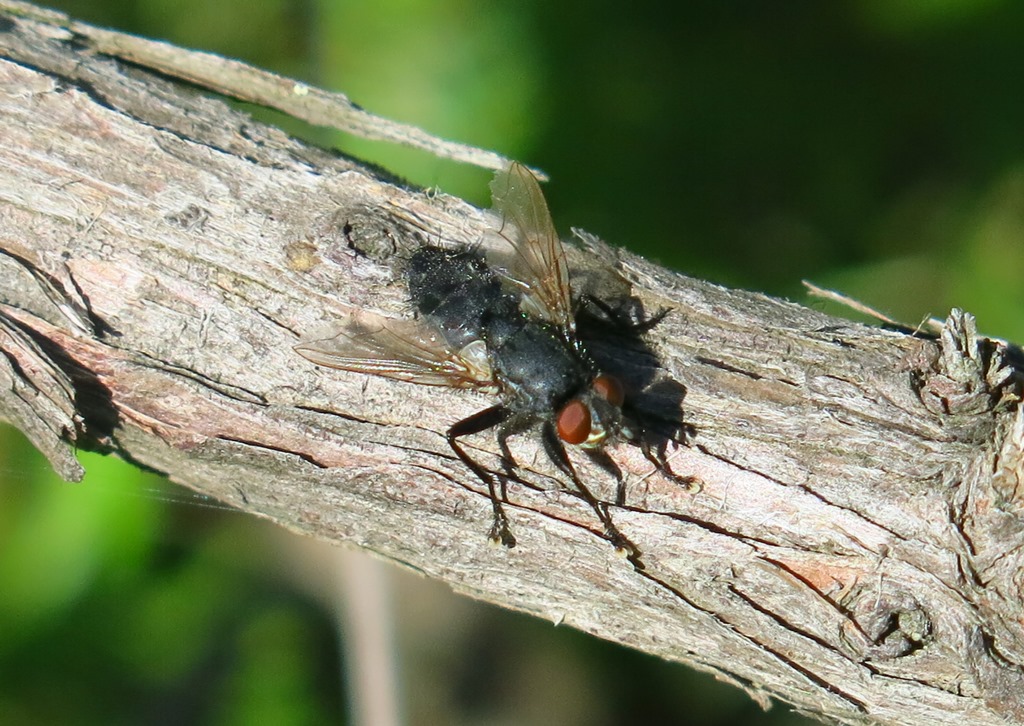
856,548
242,82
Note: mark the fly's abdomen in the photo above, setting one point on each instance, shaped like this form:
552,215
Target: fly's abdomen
454,290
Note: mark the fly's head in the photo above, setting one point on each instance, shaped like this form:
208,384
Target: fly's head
588,419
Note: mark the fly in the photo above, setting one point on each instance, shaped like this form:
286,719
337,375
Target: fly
508,332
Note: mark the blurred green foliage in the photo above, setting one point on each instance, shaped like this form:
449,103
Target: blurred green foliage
873,146
122,605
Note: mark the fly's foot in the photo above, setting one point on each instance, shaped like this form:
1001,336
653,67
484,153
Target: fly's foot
500,533
623,547
691,483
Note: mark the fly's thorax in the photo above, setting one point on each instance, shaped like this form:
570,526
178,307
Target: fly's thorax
536,366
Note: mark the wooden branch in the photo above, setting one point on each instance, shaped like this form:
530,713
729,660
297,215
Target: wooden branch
855,548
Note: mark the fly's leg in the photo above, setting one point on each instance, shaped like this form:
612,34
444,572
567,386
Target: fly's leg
556,451
603,460
508,462
622,320
679,434
511,426
481,421
661,464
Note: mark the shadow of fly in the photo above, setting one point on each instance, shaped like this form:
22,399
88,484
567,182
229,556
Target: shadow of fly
507,329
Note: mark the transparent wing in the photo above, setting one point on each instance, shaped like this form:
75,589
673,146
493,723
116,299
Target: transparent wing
404,350
539,262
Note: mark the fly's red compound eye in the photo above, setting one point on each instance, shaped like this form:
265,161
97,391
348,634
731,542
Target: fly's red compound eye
609,388
573,422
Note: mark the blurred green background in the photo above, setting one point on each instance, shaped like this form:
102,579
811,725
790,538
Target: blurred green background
873,146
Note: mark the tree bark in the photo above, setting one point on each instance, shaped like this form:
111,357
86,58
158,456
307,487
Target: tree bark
855,547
